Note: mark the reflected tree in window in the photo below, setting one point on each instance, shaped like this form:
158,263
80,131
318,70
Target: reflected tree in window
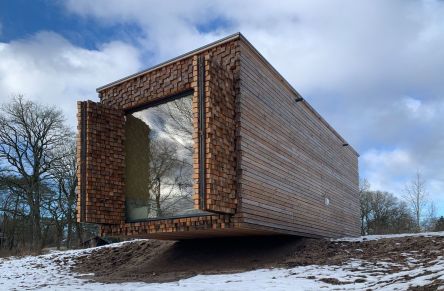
159,164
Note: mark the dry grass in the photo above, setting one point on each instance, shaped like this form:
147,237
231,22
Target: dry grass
19,252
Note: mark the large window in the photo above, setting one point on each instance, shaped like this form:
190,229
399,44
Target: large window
159,161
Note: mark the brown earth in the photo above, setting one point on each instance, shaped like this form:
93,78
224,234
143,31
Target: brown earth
162,261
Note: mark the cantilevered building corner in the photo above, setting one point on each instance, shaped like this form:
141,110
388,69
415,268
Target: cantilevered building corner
213,143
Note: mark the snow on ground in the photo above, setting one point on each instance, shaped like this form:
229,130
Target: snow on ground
52,272
377,237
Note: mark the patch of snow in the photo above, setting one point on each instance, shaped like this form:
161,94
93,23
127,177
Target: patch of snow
385,236
52,272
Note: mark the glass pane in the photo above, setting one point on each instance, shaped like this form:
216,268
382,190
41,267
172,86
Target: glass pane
159,161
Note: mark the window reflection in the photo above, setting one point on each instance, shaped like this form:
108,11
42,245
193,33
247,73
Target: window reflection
159,161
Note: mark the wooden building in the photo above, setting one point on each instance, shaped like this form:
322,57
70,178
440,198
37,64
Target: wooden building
214,142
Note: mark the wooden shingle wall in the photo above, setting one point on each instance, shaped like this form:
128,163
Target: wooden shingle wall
101,169
152,86
296,175
221,78
172,225
220,162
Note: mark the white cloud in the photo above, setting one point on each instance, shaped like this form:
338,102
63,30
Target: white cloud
169,28
392,170
373,69
412,104
358,57
386,169
417,109
395,159
48,68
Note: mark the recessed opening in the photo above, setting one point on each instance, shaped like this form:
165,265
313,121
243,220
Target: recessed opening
159,161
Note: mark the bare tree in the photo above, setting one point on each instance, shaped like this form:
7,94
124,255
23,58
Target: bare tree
430,218
416,196
14,213
163,162
401,220
53,216
365,204
180,121
63,173
383,205
382,212
30,135
439,224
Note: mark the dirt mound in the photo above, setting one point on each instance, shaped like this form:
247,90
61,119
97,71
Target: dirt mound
392,250
384,256
161,261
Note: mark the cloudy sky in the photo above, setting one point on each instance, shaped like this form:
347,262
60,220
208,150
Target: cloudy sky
373,69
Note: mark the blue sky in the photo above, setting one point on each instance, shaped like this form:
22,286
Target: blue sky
373,69
23,18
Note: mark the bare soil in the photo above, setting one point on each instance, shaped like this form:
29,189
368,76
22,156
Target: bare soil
163,261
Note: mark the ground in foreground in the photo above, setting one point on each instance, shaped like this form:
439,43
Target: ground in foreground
403,262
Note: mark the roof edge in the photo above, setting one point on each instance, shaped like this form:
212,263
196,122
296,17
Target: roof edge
229,38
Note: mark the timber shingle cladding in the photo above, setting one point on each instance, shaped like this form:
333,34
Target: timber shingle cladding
272,165
220,162
101,169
